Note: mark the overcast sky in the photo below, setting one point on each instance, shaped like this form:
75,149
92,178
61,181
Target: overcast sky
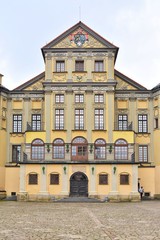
27,25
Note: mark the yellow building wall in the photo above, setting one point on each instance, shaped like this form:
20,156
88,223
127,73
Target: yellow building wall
54,189
147,179
103,189
156,147
2,178
33,189
124,189
128,136
3,147
30,136
157,180
12,180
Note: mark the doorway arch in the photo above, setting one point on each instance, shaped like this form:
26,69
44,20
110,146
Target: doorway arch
79,185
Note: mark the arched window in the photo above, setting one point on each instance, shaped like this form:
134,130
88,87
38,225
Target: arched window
58,149
79,149
100,149
121,150
37,150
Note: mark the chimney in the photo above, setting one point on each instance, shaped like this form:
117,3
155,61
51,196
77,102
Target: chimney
1,79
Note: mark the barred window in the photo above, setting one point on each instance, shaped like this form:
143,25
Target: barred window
124,179
143,153
33,179
99,119
59,121
54,179
98,98
59,98
60,66
99,66
121,150
100,149
17,123
142,123
103,179
37,149
58,149
79,119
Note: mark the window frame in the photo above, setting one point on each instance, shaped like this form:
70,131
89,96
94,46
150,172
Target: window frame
17,123
37,150
31,181
79,119
36,123
101,179
99,98
79,145
59,98
60,66
142,123
79,98
79,65
16,154
55,180
99,119
122,123
102,146
99,66
124,181
57,146
143,155
59,119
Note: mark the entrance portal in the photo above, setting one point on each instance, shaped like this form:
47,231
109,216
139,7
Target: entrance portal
79,185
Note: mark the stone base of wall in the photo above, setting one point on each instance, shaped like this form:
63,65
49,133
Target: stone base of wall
3,194
156,196
133,197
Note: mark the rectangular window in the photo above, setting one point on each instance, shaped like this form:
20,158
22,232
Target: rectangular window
79,66
156,122
33,179
142,123
99,98
103,179
59,98
124,179
58,152
122,122
54,179
143,153
16,153
17,123
60,66
79,119
79,98
59,121
36,122
99,119
99,66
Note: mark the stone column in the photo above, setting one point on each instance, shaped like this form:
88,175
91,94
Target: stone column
22,195
134,193
48,67
113,194
43,194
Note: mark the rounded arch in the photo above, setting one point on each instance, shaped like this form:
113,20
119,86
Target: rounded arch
79,184
37,141
121,141
121,149
79,140
58,141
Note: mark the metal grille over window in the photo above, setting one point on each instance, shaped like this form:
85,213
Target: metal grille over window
103,179
33,179
54,179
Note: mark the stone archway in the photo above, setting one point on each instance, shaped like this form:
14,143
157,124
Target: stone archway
79,185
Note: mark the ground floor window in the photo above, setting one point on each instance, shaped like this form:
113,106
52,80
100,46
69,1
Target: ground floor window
54,178
124,179
103,179
33,179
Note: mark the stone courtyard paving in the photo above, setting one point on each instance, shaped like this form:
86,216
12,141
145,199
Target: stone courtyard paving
87,221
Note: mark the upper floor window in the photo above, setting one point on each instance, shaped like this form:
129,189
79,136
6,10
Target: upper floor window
79,66
60,66
79,98
37,149
59,98
36,122
99,119
143,153
16,153
121,149
17,123
142,123
100,149
59,121
99,66
122,122
124,179
98,98
79,119
58,149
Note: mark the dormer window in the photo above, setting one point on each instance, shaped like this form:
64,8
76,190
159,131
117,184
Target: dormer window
60,66
79,66
99,66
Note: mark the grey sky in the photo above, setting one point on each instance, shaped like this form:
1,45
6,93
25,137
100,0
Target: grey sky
27,25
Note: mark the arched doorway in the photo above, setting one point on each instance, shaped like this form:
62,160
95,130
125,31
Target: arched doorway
78,185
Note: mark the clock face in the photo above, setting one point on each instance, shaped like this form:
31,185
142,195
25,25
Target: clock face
79,39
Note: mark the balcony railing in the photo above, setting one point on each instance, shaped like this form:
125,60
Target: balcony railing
93,154
123,126
31,126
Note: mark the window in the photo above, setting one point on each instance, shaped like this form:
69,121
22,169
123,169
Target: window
103,179
33,179
58,149
79,98
100,149
54,179
98,98
59,121
99,119
17,123
79,66
36,122
60,66
79,149
59,98
122,122
143,153
124,179
99,66
156,122
121,150
16,153
142,123
37,149
79,119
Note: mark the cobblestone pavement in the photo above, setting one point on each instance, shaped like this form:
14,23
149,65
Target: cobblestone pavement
87,221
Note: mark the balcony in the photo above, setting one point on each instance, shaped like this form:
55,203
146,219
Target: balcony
123,126
93,154
35,127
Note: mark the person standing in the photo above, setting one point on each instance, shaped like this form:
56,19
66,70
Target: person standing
141,191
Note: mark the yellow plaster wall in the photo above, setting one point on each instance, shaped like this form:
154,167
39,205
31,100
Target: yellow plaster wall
147,179
142,104
103,189
17,139
54,189
142,139
33,189
2,178
3,147
58,134
157,180
30,136
124,189
128,136
36,104
12,180
122,104
156,147
99,134
79,133
17,104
